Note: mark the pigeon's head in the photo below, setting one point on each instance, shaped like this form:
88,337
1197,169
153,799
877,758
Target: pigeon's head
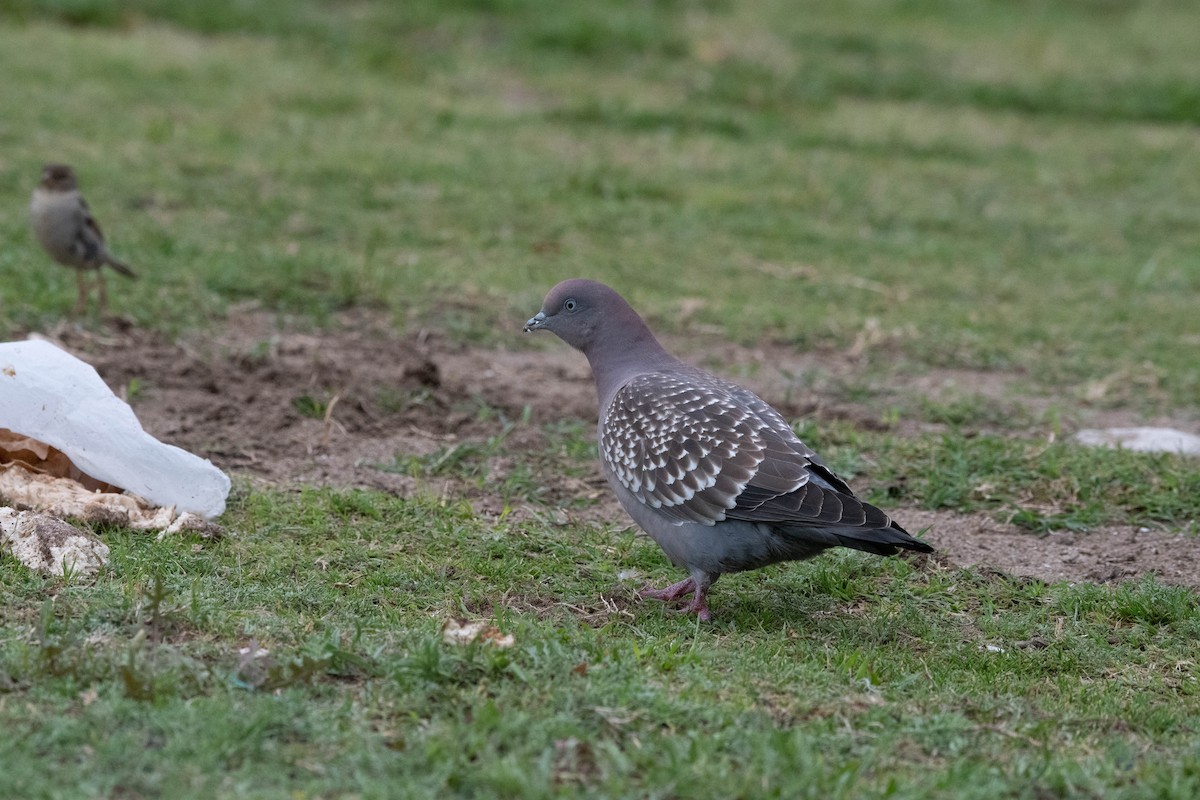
59,178
579,310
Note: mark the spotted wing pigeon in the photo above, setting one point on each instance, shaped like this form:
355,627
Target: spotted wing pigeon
710,471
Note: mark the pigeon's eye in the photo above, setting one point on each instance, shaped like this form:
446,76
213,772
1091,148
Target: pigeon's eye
570,305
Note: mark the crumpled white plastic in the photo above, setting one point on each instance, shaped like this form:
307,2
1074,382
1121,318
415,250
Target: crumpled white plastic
50,395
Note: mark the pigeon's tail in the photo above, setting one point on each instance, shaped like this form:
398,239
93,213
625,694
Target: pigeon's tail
808,540
825,517
881,541
119,266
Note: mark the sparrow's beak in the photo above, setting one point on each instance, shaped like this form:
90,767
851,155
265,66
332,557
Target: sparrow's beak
535,322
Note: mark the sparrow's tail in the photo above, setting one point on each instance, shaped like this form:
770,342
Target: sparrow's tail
119,266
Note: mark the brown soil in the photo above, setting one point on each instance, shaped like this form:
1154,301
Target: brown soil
1102,555
330,408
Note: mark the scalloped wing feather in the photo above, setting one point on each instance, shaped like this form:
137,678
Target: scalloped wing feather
690,444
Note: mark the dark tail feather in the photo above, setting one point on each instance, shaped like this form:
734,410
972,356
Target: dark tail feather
881,541
808,540
119,267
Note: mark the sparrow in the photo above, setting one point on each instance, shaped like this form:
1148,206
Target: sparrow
66,229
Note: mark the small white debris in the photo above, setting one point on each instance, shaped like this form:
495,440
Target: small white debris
49,545
991,648
260,652
1142,440
455,631
616,716
187,522
628,575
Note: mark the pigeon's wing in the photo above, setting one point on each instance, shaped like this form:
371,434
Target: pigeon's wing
690,446
780,427
699,449
823,501
812,505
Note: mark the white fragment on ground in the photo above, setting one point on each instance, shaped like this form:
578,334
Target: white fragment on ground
455,631
254,652
1143,440
187,522
63,497
46,544
628,575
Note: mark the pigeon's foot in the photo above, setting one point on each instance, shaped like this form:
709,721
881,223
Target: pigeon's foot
699,606
673,592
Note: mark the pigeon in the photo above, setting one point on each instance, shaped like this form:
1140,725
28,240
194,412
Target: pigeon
707,468
66,229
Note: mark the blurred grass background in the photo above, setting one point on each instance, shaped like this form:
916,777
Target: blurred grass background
998,185
1006,185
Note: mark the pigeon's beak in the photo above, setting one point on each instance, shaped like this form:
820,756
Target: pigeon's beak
535,322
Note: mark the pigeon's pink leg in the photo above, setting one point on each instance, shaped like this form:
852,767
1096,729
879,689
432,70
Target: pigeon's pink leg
672,592
699,606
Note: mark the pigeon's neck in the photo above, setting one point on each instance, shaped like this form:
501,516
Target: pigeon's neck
622,352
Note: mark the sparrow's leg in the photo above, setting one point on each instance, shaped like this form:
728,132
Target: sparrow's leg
81,299
103,291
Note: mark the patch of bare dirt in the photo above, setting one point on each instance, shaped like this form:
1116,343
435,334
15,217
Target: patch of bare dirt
1102,555
330,408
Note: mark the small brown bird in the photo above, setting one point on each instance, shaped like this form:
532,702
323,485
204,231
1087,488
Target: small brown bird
66,229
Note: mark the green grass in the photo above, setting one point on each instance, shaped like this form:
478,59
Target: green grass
985,185
845,677
994,185
1039,485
